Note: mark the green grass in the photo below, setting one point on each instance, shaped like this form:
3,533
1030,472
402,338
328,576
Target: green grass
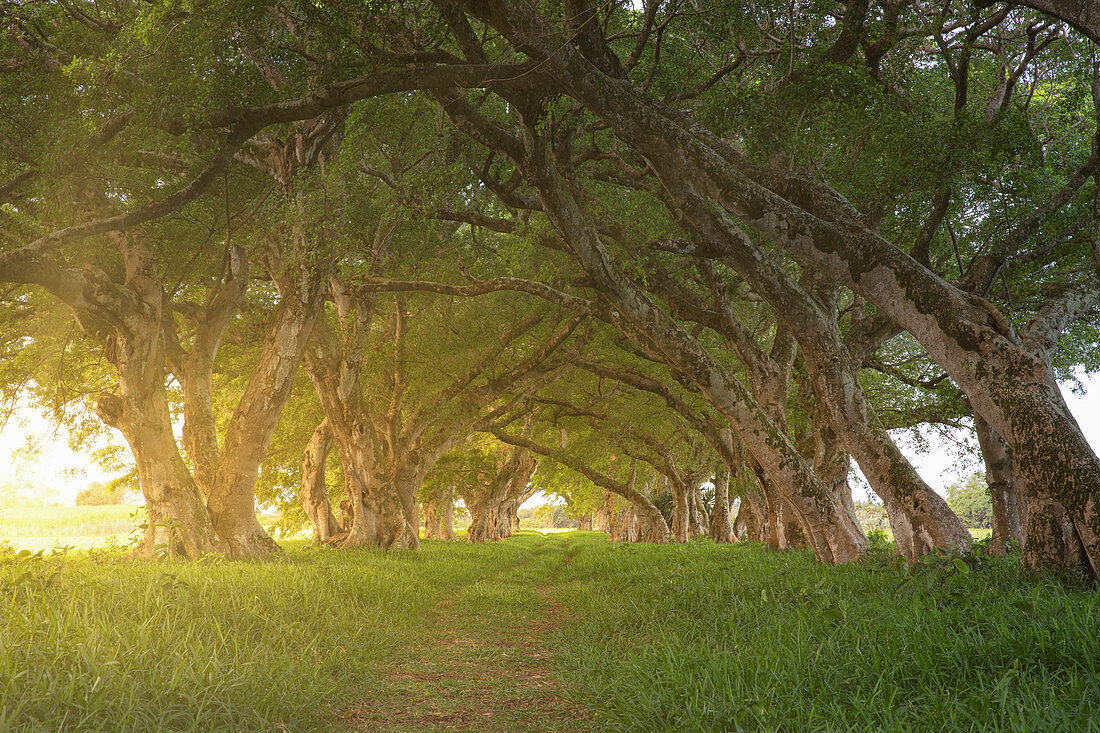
79,526
460,637
705,638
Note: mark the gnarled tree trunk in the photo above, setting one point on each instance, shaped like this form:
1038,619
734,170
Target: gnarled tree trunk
314,492
493,509
232,498
177,522
128,319
1000,475
1007,382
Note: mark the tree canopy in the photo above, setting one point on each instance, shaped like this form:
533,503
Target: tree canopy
641,246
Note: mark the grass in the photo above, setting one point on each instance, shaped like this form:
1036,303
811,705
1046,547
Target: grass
78,526
83,527
704,638
541,633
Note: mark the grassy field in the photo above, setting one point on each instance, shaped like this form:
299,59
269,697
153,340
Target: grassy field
85,527
540,633
36,528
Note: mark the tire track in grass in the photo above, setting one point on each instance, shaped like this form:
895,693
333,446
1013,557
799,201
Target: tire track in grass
485,663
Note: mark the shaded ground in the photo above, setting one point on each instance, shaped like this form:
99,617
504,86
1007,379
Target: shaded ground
484,664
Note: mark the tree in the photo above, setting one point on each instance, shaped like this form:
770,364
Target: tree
98,494
970,500
880,170
1010,383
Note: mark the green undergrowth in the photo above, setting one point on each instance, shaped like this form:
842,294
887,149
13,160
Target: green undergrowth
90,642
644,638
700,637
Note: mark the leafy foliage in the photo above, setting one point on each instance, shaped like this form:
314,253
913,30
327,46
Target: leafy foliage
970,500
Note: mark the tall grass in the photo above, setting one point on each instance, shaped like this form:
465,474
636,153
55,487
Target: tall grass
687,638
701,637
91,643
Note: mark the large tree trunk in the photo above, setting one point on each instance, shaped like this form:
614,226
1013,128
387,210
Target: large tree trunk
177,522
378,519
601,518
128,319
433,525
1000,475
232,498
920,516
681,512
699,520
830,534
447,511
314,492
439,514
493,508
751,522
624,521
484,510
485,516
194,367
721,526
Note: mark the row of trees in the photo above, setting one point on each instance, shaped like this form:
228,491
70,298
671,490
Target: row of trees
468,249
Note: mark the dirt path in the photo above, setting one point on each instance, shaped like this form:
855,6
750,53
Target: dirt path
484,664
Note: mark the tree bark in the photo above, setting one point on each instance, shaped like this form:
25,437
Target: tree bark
314,492
447,510
177,522
433,529
699,522
828,532
751,521
232,498
623,516
920,517
721,526
127,318
1000,475
681,512
493,509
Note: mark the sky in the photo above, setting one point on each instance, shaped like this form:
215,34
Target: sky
55,471
940,466
60,473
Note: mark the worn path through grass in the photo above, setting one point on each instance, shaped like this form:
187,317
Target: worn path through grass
483,663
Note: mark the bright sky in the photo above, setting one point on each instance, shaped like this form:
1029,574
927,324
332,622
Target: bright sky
54,471
60,473
941,466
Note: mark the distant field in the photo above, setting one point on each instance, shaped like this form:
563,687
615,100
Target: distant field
82,527
77,526
978,533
